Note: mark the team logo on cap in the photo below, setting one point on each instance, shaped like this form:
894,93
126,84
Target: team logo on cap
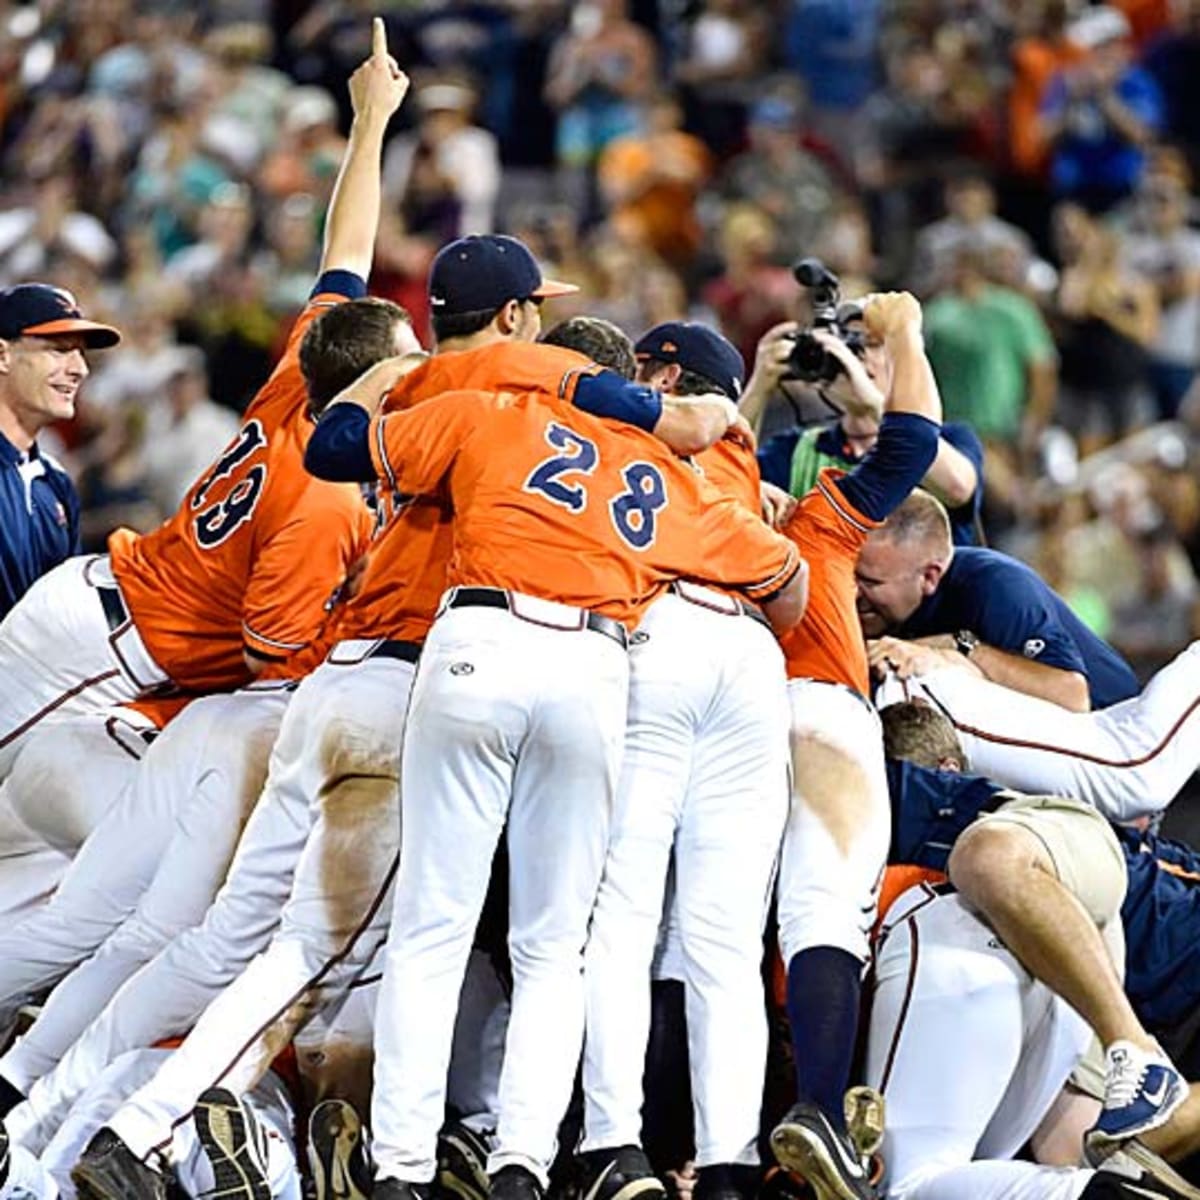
670,347
66,301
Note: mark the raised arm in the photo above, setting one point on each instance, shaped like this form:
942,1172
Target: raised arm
376,91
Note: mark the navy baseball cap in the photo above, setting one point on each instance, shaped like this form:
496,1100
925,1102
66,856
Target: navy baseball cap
41,310
699,349
484,271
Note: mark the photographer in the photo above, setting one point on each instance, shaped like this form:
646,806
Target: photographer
852,373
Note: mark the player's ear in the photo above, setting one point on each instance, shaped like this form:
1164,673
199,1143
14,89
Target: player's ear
509,317
664,377
5,355
931,576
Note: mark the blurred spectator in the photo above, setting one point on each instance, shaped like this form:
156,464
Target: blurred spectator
786,182
1037,58
651,181
290,258
993,356
1173,60
600,71
49,227
1101,114
725,54
1166,252
970,221
754,292
309,148
1158,617
845,247
185,430
225,224
1105,318
448,166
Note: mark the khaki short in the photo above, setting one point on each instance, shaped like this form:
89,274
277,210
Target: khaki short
1088,860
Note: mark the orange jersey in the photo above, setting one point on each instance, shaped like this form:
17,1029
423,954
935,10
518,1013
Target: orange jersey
407,572
161,710
828,643
250,558
553,502
730,465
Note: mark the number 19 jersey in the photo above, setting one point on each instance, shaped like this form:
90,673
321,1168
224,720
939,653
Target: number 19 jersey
255,550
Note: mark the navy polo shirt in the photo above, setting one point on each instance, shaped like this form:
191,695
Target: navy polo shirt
39,519
1008,605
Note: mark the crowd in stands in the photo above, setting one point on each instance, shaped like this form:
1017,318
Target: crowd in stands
1026,166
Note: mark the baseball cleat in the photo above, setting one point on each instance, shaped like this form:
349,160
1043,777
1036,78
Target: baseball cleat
400,1189
1137,1167
109,1170
1141,1091
865,1119
516,1183
235,1146
621,1174
462,1156
806,1143
337,1152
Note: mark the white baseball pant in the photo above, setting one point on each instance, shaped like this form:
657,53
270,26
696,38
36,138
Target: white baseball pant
705,771
334,790
518,718
1127,760
59,656
48,1178
165,849
839,825
969,1051
332,770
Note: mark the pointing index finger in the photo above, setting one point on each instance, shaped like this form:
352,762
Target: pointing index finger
378,38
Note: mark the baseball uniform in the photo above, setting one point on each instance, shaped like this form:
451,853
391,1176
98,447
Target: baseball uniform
704,773
246,563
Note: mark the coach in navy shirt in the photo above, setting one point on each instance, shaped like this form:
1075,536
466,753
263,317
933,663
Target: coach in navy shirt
43,339
922,600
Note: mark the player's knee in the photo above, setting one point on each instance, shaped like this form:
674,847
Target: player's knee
989,859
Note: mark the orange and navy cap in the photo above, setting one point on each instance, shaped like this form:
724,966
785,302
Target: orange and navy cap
696,348
41,310
485,271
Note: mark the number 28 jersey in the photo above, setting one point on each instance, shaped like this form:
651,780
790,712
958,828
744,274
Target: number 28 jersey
554,502
255,550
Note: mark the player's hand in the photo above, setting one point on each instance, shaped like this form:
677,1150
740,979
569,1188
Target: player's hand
777,505
907,660
378,86
886,314
739,431
853,390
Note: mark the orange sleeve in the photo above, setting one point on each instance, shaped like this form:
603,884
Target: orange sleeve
162,710
738,548
301,563
413,449
824,511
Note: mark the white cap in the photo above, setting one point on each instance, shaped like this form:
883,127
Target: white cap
1097,26
304,107
439,96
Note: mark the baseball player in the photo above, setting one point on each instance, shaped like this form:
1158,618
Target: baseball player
241,574
970,1051
705,772
1128,760
616,505
923,600
331,790
836,837
44,342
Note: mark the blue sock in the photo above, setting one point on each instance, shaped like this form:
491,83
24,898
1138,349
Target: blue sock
823,989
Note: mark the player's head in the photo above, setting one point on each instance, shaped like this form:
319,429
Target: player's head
488,288
348,338
686,358
601,340
901,563
916,732
43,343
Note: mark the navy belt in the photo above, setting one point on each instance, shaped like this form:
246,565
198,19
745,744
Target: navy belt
407,652
482,597
115,612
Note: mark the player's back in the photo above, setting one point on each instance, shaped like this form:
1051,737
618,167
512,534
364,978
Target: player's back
553,502
192,586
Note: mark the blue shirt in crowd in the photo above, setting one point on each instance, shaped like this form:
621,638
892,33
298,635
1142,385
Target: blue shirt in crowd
1009,606
39,519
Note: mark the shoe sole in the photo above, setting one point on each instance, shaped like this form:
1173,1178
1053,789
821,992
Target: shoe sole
92,1183
223,1131
803,1153
459,1171
1097,1145
634,1188
1160,1170
334,1132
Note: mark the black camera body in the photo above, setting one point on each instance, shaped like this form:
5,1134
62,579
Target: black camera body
809,361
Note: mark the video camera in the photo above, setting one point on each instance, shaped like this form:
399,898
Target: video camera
809,360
